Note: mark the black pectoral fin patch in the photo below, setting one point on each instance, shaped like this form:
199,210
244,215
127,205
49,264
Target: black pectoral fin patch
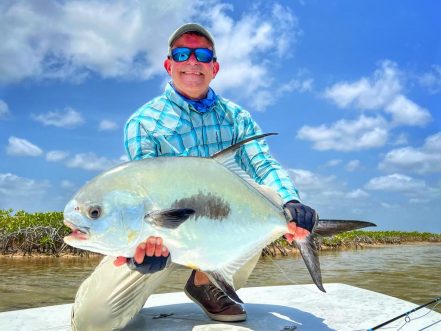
169,218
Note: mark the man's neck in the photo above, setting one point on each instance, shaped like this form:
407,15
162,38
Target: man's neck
191,97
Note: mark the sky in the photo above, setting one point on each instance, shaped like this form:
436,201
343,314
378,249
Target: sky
352,87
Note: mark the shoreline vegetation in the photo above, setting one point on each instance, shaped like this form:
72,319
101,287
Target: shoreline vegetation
41,234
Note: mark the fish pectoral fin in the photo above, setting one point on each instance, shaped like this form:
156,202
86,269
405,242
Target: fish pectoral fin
223,281
169,218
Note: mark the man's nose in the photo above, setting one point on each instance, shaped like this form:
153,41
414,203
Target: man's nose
192,59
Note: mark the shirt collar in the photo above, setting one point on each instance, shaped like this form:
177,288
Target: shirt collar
204,105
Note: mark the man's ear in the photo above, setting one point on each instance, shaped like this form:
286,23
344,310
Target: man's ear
216,68
167,65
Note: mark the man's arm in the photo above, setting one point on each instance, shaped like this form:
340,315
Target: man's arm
255,158
139,144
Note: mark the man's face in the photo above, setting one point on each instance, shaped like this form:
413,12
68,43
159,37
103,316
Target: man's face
191,78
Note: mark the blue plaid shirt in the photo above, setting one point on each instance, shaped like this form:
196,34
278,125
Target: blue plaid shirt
169,126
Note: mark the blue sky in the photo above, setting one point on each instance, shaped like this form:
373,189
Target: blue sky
352,87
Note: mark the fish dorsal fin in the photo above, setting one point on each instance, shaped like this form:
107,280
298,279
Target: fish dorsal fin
226,158
169,218
229,152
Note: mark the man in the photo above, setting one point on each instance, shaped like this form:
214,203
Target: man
188,119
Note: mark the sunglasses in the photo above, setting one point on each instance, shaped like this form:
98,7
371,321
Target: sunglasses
181,54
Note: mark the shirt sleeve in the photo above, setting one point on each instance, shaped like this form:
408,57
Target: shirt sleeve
256,160
139,144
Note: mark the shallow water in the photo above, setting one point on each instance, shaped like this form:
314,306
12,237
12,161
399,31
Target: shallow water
409,272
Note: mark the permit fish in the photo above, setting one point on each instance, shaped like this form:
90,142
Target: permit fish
211,215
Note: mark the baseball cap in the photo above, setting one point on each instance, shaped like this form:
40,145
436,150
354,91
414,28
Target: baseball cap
190,27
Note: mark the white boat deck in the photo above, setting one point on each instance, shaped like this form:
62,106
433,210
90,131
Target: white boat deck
278,308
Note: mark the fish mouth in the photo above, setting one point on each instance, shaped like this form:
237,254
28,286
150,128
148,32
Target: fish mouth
78,233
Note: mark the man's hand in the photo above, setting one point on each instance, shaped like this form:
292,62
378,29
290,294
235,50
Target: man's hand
301,220
150,256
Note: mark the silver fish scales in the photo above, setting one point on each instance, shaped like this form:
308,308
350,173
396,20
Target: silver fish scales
210,214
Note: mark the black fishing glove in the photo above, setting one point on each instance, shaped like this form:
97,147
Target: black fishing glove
303,215
150,264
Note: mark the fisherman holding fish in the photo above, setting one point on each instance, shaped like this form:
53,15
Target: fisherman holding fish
188,119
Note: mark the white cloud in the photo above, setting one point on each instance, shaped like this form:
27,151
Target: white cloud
332,163
432,79
124,158
417,191
21,193
66,184
56,156
296,85
346,135
4,109
401,139
426,159
357,194
352,165
329,195
382,92
306,180
389,206
90,161
68,40
395,183
68,118
406,112
258,39
12,186
268,96
368,93
22,147
107,125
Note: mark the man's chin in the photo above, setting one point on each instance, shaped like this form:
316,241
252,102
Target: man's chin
193,89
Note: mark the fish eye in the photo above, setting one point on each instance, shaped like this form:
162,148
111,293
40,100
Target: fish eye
94,212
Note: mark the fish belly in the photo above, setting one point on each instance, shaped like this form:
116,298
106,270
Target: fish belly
206,245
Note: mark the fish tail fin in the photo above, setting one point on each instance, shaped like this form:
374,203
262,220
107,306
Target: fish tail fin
308,250
308,247
327,227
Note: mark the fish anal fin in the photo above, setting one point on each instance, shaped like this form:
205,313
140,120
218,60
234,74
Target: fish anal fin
226,285
169,218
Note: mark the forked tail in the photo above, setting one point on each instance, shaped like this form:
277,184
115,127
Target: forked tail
324,228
